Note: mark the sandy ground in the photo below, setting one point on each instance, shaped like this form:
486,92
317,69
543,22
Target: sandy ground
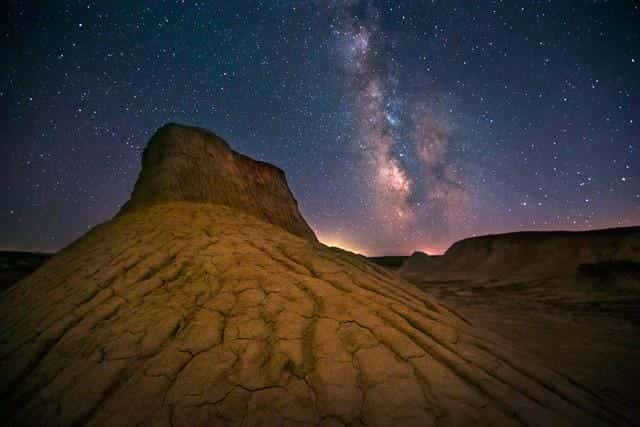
591,336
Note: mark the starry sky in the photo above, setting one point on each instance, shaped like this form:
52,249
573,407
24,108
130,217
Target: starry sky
401,125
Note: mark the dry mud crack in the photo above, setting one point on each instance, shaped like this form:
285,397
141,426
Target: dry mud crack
186,314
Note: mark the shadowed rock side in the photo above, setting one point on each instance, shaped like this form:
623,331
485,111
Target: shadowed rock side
418,264
183,163
185,314
525,254
392,262
17,265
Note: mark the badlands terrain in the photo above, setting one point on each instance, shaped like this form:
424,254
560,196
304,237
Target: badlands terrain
571,299
208,301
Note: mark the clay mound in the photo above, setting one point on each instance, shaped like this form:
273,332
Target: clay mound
526,254
183,163
177,313
185,314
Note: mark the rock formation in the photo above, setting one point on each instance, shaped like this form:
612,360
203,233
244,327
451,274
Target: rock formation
572,299
525,254
190,313
183,163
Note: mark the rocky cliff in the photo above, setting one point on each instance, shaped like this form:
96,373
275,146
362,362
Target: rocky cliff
183,163
526,254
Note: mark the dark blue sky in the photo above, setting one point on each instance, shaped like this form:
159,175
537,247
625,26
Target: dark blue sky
400,125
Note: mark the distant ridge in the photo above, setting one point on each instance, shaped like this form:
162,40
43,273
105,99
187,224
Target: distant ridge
15,265
530,253
392,262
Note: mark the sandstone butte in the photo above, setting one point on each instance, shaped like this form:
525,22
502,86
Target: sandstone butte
525,255
208,301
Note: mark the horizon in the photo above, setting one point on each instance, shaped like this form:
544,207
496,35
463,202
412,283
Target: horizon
336,242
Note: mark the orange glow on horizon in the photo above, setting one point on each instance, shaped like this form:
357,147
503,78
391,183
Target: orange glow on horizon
342,243
348,244
431,250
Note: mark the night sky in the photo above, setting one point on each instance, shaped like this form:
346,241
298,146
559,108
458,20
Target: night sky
401,126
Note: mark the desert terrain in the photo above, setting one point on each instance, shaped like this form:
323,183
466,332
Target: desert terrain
570,299
209,301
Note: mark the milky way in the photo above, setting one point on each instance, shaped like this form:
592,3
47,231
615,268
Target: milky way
401,125
391,131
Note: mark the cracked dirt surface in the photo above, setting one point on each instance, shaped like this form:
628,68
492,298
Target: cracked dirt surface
186,314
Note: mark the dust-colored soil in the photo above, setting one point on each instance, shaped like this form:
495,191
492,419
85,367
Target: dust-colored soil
585,328
186,314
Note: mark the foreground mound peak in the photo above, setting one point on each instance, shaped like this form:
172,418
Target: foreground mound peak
183,163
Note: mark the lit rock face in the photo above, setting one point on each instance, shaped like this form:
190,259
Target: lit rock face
194,314
183,163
